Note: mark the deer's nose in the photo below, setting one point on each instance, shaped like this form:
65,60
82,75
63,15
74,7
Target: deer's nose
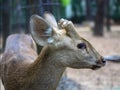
103,61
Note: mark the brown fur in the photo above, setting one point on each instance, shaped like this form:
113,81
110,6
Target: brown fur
22,69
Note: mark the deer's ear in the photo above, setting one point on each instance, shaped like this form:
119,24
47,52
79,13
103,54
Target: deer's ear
40,30
50,19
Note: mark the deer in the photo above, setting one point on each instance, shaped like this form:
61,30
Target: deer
21,68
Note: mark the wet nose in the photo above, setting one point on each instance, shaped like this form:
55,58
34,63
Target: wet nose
103,61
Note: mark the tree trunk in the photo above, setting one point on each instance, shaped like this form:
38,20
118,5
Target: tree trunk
107,15
5,20
98,28
88,10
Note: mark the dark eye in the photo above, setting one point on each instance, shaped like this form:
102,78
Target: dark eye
81,45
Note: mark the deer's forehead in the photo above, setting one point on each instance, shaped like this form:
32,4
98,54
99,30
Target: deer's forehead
62,41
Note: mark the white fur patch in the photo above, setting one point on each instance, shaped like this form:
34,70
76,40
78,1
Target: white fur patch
48,32
50,40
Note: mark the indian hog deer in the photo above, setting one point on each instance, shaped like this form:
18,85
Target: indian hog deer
22,69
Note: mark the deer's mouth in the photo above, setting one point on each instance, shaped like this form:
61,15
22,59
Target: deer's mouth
99,64
96,67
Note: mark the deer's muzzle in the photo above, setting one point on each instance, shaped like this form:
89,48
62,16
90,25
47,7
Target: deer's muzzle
99,65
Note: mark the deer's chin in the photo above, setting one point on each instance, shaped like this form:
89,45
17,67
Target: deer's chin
95,67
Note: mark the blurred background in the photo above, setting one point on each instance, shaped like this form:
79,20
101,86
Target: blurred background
97,20
15,14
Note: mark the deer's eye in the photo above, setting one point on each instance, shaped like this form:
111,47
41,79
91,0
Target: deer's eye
81,46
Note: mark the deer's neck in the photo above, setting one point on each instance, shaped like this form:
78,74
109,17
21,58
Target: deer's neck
45,72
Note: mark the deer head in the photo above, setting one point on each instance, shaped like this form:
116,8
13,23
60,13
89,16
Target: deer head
65,42
62,47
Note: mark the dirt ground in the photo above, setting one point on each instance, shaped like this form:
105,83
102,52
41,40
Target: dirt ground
108,77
